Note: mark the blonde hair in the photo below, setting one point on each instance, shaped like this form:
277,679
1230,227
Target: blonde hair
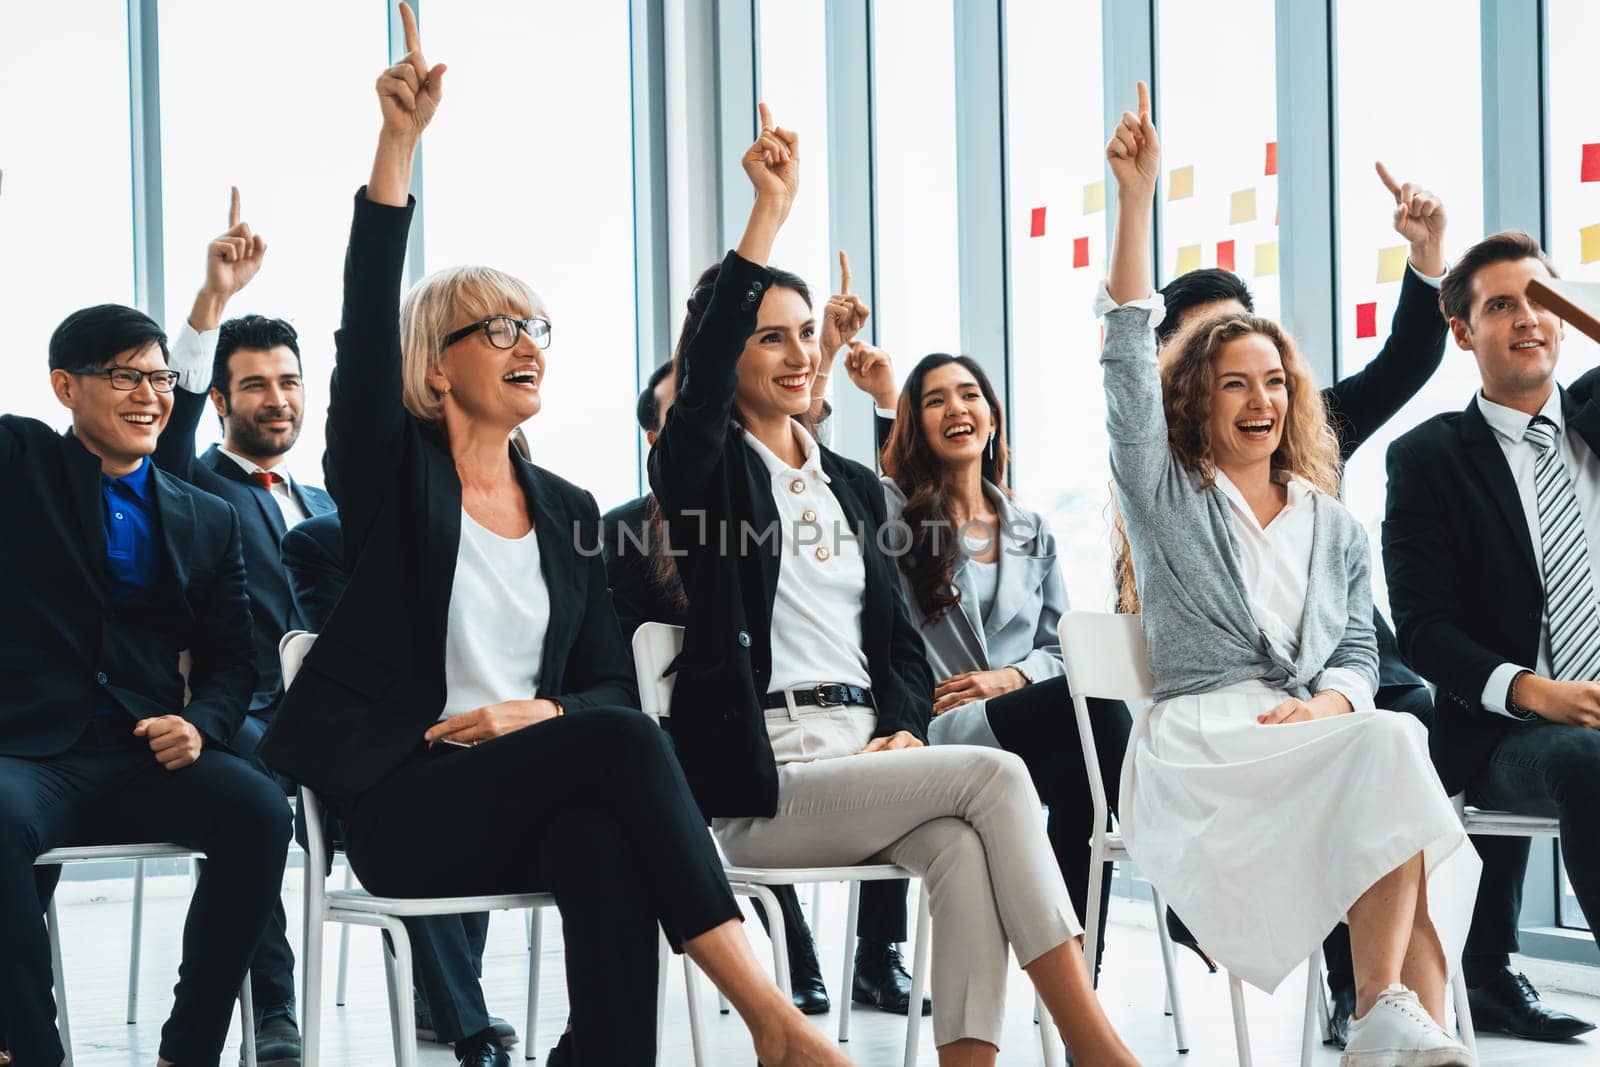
430,309
1308,448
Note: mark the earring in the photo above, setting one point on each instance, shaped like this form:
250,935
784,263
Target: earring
991,448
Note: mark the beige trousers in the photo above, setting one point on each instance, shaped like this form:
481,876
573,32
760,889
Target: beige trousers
967,820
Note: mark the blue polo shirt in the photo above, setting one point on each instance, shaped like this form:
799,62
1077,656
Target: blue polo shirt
128,511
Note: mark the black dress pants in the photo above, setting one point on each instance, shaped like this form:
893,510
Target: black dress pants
591,807
108,788
1036,722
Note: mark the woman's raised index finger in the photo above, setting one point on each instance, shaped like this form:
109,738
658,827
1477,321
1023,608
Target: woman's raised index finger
1388,181
233,208
766,117
844,272
1144,100
408,19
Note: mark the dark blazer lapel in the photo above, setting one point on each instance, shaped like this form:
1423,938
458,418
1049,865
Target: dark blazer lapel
1488,462
1583,417
83,475
224,467
558,563
766,524
176,509
315,501
441,524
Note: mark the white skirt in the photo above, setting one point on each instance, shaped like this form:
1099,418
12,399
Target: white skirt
1261,837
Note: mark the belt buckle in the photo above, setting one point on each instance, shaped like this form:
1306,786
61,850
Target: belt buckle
831,695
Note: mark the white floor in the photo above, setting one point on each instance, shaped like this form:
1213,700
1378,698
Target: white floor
95,923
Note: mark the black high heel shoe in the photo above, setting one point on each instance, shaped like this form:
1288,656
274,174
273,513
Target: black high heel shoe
1181,936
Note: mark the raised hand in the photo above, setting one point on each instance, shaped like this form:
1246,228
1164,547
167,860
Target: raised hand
409,92
1134,151
232,260
845,314
1418,217
872,371
772,163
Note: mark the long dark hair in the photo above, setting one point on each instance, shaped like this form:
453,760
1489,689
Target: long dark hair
663,571
930,562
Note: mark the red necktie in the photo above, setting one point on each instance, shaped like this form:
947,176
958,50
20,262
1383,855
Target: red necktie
266,479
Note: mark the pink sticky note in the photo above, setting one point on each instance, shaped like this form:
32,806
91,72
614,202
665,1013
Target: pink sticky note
1272,157
1367,320
1225,255
1037,228
1080,250
1591,163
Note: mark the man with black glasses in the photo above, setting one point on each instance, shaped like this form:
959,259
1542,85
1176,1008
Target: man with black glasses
114,570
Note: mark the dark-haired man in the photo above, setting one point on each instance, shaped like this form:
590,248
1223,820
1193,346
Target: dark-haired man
115,568
249,370
1490,541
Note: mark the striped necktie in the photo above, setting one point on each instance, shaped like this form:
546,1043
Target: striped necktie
1571,610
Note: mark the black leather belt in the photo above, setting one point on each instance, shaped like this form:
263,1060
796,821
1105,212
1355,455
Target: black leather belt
821,695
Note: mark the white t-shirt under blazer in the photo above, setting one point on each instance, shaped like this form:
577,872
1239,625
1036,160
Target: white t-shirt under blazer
499,613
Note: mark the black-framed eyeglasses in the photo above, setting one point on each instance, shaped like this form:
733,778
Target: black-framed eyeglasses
503,331
127,379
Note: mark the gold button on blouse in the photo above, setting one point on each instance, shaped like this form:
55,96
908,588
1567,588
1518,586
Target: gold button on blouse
823,555
797,486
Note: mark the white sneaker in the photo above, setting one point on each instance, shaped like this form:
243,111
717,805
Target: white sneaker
1399,1032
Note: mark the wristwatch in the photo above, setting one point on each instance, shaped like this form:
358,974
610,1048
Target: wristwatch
1516,710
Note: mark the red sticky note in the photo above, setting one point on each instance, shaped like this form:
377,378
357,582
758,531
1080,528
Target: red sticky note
1037,230
1591,163
1272,157
1225,255
1367,320
1080,250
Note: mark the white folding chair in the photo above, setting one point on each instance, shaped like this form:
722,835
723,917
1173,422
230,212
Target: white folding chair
1105,657
655,645
138,853
357,907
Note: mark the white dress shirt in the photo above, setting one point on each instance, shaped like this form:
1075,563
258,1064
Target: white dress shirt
282,490
1276,563
1583,466
191,354
499,613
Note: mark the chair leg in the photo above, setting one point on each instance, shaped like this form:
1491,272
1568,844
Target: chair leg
663,962
847,981
134,941
919,975
816,904
1324,1016
1169,964
63,1024
530,1044
247,1023
344,945
1458,990
1310,1039
398,960
311,940
1050,1041
1091,932
1241,1027
691,987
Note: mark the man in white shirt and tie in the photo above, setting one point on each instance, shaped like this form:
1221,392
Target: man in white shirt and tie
1491,544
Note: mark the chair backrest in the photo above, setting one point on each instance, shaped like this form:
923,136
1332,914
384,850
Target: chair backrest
292,649
1105,655
655,646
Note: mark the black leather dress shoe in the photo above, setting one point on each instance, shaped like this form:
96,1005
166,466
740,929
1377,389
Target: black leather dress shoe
1344,1006
277,1043
1508,1004
805,975
881,980
482,1050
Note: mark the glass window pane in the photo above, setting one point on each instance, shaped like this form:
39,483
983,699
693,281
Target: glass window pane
1217,110
529,168
65,230
914,106
1057,243
792,79
296,178
1574,163
1443,153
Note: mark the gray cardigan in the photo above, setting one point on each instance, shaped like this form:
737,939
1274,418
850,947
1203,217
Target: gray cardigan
1022,629
1197,619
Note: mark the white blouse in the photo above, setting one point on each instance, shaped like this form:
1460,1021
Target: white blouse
499,613
1276,561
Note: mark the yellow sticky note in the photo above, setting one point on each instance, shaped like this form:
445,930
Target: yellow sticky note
1188,259
1094,197
1242,206
1180,183
1590,235
1266,259
1392,263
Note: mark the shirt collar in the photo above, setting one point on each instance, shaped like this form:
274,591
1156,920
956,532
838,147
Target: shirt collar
250,466
136,481
1299,491
776,467
1511,424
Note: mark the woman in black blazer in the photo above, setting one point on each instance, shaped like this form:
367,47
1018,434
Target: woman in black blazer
553,781
801,700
